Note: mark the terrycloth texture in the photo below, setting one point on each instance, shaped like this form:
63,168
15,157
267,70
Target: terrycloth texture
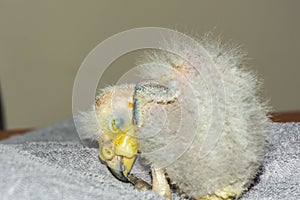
57,166
64,131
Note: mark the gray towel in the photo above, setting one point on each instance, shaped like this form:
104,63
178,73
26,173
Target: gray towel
51,163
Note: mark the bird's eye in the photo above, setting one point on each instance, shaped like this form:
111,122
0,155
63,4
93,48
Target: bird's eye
115,124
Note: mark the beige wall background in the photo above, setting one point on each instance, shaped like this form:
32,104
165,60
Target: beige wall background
42,44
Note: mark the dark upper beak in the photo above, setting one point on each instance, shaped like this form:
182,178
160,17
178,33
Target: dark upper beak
119,167
118,174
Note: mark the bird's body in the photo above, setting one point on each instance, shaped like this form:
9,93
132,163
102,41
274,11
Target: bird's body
204,125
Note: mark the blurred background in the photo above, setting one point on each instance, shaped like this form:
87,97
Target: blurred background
42,44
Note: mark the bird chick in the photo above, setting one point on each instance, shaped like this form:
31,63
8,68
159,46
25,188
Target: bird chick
197,119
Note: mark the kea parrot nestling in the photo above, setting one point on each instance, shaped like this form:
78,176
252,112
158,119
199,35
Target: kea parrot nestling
196,119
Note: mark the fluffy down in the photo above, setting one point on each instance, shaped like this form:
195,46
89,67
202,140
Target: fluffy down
231,165
217,104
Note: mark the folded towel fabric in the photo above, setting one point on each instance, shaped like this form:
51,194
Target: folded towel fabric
51,163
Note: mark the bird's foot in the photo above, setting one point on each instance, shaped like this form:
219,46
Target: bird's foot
139,183
160,184
213,197
228,193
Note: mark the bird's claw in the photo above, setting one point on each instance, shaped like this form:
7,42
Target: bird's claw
139,183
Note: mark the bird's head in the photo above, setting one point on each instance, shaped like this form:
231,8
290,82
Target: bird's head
118,145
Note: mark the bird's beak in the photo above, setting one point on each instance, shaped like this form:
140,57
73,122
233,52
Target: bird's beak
121,155
121,168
